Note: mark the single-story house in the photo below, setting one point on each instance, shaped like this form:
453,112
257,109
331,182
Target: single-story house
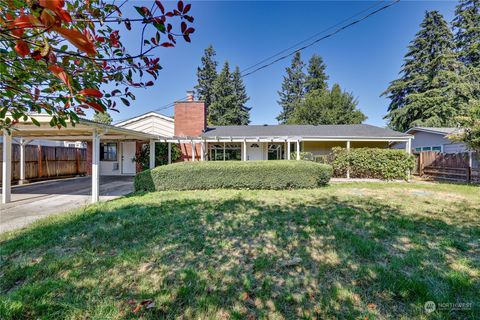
111,149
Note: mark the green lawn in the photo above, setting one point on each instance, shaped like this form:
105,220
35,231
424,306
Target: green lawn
345,251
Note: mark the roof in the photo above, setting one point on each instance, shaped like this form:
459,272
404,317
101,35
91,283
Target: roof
313,131
436,130
82,130
142,116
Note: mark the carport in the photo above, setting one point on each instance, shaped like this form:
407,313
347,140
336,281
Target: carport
84,130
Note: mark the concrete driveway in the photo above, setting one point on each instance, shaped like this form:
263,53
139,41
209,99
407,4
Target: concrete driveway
38,200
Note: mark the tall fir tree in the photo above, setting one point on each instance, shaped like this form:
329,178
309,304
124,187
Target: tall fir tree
428,91
206,75
316,76
328,107
229,97
466,26
241,98
293,88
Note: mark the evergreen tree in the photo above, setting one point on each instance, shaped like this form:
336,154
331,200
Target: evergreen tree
466,26
104,117
328,107
206,75
293,88
226,109
241,98
428,92
316,77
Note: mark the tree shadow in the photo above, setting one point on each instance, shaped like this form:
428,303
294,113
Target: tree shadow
237,258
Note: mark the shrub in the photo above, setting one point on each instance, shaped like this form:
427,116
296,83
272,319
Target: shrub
274,174
161,154
376,163
304,155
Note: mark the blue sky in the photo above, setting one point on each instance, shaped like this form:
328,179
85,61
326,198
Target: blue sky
362,59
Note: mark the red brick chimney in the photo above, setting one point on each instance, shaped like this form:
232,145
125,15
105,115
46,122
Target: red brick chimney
190,121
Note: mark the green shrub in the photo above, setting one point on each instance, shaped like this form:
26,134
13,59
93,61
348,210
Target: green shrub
274,174
304,155
374,163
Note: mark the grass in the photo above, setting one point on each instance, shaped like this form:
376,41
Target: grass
354,250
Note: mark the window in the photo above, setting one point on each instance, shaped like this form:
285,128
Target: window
426,148
437,148
233,151
108,151
418,149
275,151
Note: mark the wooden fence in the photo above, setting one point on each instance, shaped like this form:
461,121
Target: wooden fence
448,166
43,162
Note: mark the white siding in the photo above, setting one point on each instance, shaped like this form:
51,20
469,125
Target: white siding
151,123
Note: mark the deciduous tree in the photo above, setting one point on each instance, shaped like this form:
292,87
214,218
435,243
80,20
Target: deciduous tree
328,107
57,56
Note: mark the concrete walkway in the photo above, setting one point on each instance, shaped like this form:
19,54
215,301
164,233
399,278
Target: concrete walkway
38,200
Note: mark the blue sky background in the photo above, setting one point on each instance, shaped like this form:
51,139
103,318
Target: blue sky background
362,59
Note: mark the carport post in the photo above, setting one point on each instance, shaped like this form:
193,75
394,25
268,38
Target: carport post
6,167
244,150
152,154
169,153
22,161
95,166
202,151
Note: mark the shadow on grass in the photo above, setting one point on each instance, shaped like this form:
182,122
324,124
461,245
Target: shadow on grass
240,258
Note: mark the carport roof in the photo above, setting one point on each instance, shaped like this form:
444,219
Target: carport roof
82,131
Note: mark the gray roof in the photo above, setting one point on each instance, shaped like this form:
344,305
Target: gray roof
327,131
439,130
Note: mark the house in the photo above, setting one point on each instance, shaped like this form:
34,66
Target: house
111,150
434,139
198,141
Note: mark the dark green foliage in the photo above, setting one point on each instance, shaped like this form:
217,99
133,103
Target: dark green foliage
316,77
275,174
241,98
429,91
206,75
293,88
374,163
104,117
229,98
328,107
466,26
161,155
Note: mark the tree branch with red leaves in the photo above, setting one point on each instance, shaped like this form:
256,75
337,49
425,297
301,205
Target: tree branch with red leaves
57,57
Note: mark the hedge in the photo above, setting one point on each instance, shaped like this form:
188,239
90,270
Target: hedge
274,174
387,164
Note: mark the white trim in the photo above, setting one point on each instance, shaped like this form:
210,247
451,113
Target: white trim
143,116
6,168
442,133
95,166
152,154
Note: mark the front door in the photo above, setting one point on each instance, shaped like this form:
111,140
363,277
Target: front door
254,151
128,157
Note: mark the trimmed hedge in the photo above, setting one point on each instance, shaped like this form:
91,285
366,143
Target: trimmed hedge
274,174
387,164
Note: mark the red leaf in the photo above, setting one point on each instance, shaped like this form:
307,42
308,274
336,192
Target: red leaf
180,6
22,48
169,14
149,83
186,37
91,93
189,18
160,6
190,30
167,44
95,106
187,8
52,4
60,74
77,38
184,26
